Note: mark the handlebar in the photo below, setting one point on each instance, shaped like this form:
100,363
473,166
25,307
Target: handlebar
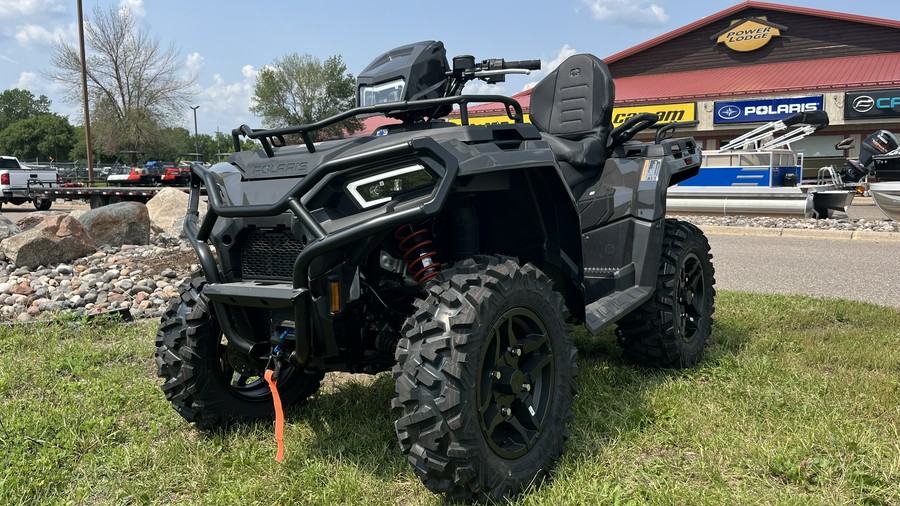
523,64
501,64
492,70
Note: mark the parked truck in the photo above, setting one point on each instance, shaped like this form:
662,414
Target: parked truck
18,183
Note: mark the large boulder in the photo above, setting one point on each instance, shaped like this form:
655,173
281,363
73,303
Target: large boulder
167,210
46,240
118,224
7,227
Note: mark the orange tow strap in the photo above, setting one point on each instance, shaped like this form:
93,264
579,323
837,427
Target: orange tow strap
279,415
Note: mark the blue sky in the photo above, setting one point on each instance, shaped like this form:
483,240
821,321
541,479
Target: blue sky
226,42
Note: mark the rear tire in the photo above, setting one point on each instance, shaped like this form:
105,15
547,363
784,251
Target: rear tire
485,378
199,381
672,328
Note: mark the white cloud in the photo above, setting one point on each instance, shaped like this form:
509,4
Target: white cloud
224,105
35,35
483,88
29,81
136,7
195,62
549,66
249,72
17,9
628,12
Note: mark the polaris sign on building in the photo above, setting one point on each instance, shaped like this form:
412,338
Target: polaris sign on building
763,110
870,104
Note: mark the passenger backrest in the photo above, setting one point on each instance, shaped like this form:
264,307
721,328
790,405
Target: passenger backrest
575,100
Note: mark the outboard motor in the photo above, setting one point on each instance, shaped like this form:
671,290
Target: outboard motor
878,143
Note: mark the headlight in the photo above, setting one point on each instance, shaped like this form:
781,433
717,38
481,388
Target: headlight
378,189
391,91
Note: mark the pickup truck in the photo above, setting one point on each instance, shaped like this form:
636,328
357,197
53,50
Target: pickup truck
17,182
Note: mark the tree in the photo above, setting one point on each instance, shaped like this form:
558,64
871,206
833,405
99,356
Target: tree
78,153
135,87
39,137
301,89
16,104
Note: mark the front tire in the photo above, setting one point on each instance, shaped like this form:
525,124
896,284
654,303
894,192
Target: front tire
485,378
199,380
672,328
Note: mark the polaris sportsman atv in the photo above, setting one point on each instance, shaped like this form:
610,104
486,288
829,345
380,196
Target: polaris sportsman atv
457,256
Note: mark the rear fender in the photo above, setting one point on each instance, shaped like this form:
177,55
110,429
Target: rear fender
622,215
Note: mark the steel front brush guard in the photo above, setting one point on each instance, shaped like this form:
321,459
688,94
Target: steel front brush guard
424,149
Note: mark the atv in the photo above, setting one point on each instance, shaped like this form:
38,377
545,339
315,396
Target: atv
457,256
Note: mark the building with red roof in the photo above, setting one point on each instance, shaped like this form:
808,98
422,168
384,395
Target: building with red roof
757,62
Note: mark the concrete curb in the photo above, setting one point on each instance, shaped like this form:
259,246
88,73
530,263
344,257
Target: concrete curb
847,235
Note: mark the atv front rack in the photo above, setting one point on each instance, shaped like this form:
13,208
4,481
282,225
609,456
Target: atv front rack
426,150
275,137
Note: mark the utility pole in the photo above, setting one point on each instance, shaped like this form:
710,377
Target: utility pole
196,137
84,89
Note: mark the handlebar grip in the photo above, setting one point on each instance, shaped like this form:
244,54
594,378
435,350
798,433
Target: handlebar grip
523,64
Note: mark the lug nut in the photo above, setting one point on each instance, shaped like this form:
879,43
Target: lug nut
526,387
515,351
496,375
504,411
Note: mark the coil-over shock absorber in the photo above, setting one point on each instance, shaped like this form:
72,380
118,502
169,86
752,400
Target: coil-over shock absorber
416,245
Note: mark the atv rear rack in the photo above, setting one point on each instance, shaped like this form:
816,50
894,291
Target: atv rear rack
275,137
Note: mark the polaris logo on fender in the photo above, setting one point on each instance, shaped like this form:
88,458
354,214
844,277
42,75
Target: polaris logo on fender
274,169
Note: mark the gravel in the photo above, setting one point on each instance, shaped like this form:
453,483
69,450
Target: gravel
794,223
139,280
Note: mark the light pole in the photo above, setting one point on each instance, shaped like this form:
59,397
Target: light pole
84,90
196,138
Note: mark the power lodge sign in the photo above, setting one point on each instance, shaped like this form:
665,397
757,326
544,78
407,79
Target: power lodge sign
748,34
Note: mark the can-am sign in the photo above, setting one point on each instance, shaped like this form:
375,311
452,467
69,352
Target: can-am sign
872,104
667,113
770,109
748,34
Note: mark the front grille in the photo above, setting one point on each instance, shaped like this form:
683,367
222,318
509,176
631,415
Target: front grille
269,254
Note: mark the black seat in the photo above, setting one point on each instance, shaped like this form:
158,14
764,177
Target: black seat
572,107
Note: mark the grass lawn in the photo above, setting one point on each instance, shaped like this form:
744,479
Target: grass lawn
796,402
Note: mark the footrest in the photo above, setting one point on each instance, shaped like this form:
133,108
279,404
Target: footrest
253,293
602,312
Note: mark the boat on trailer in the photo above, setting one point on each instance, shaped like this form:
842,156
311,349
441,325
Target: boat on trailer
887,198
759,174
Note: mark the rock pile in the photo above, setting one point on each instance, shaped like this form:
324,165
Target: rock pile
138,279
95,261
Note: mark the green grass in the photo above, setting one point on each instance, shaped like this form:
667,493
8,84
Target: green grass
797,402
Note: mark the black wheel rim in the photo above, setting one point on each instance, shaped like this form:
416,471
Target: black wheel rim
516,382
691,297
248,387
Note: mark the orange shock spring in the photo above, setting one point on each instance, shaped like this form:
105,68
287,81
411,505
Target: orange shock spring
417,253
